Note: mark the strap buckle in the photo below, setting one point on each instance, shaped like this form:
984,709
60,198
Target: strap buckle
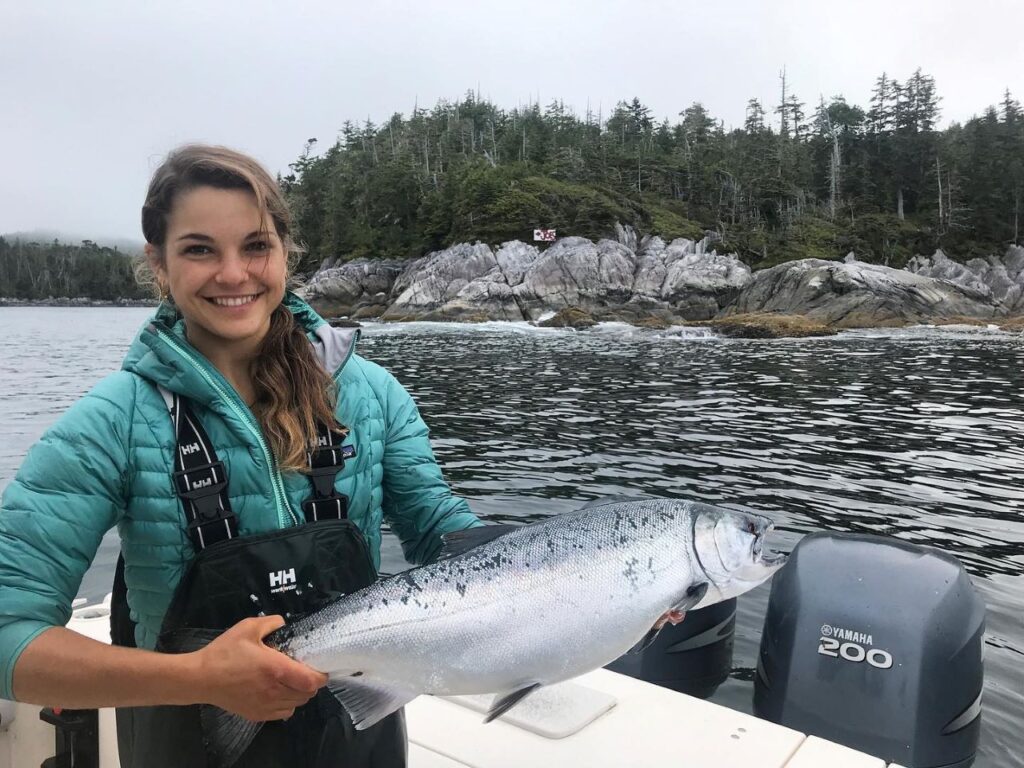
325,463
203,480
323,479
202,486
330,456
333,507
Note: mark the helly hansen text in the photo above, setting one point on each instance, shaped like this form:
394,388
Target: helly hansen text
281,578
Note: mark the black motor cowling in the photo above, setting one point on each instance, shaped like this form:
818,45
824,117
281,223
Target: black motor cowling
876,644
693,657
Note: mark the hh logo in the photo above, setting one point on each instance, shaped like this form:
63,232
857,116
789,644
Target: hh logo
202,483
189,449
322,441
280,578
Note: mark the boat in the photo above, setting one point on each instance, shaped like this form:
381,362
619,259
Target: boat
603,719
867,640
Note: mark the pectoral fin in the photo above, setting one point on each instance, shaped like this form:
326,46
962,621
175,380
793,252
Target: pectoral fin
692,597
503,704
646,640
368,703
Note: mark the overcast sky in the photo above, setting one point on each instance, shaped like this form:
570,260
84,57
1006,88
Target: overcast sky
94,92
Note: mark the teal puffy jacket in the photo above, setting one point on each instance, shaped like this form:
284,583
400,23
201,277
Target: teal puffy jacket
108,461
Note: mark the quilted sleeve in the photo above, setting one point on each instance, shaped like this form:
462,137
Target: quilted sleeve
417,502
69,491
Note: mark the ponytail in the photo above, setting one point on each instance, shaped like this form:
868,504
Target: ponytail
293,391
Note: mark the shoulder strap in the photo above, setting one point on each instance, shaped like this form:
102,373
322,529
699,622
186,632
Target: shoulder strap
200,479
325,462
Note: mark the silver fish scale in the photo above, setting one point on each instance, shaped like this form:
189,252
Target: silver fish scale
542,603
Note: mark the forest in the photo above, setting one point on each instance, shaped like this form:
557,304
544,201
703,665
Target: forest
38,271
796,180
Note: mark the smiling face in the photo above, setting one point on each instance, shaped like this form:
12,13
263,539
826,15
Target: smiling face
225,267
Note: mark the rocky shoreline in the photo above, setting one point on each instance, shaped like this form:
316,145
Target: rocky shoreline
647,282
655,284
64,301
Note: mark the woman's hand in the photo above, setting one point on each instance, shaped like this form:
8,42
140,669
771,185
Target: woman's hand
245,676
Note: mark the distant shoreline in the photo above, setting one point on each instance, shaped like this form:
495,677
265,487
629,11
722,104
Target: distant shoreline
76,302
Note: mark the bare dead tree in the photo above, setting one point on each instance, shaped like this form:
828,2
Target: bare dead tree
835,161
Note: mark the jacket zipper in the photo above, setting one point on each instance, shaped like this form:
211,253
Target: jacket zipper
285,514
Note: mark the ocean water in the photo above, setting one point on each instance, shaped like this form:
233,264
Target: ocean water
916,434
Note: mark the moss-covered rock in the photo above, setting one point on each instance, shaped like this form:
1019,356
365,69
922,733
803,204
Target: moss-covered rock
343,322
657,323
765,325
570,317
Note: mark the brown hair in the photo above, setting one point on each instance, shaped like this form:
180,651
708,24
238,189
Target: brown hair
293,391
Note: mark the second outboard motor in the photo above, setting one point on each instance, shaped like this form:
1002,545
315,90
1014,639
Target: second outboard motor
876,644
692,657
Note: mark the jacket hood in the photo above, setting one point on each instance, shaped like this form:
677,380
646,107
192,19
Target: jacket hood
162,354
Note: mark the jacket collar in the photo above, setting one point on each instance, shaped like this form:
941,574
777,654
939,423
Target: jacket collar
162,353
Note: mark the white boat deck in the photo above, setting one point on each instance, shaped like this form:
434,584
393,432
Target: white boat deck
601,720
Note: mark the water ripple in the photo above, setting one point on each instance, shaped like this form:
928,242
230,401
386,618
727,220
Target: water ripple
916,434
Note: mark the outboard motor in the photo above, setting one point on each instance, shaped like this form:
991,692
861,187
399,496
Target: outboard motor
876,644
692,657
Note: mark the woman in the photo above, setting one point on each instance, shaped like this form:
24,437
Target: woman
247,457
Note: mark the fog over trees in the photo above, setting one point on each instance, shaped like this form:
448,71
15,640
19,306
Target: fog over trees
37,271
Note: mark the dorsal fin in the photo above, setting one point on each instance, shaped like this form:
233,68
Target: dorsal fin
457,542
605,500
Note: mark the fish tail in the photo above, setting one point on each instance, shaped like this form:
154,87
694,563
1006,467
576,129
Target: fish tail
226,736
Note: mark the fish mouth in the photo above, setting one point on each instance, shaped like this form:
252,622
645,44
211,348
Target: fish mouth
763,554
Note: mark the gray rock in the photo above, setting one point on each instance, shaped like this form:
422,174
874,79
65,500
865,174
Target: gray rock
692,283
464,282
515,259
662,283
355,288
1002,278
626,236
574,272
856,294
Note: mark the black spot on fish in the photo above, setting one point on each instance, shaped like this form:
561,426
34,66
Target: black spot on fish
411,582
356,674
462,589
